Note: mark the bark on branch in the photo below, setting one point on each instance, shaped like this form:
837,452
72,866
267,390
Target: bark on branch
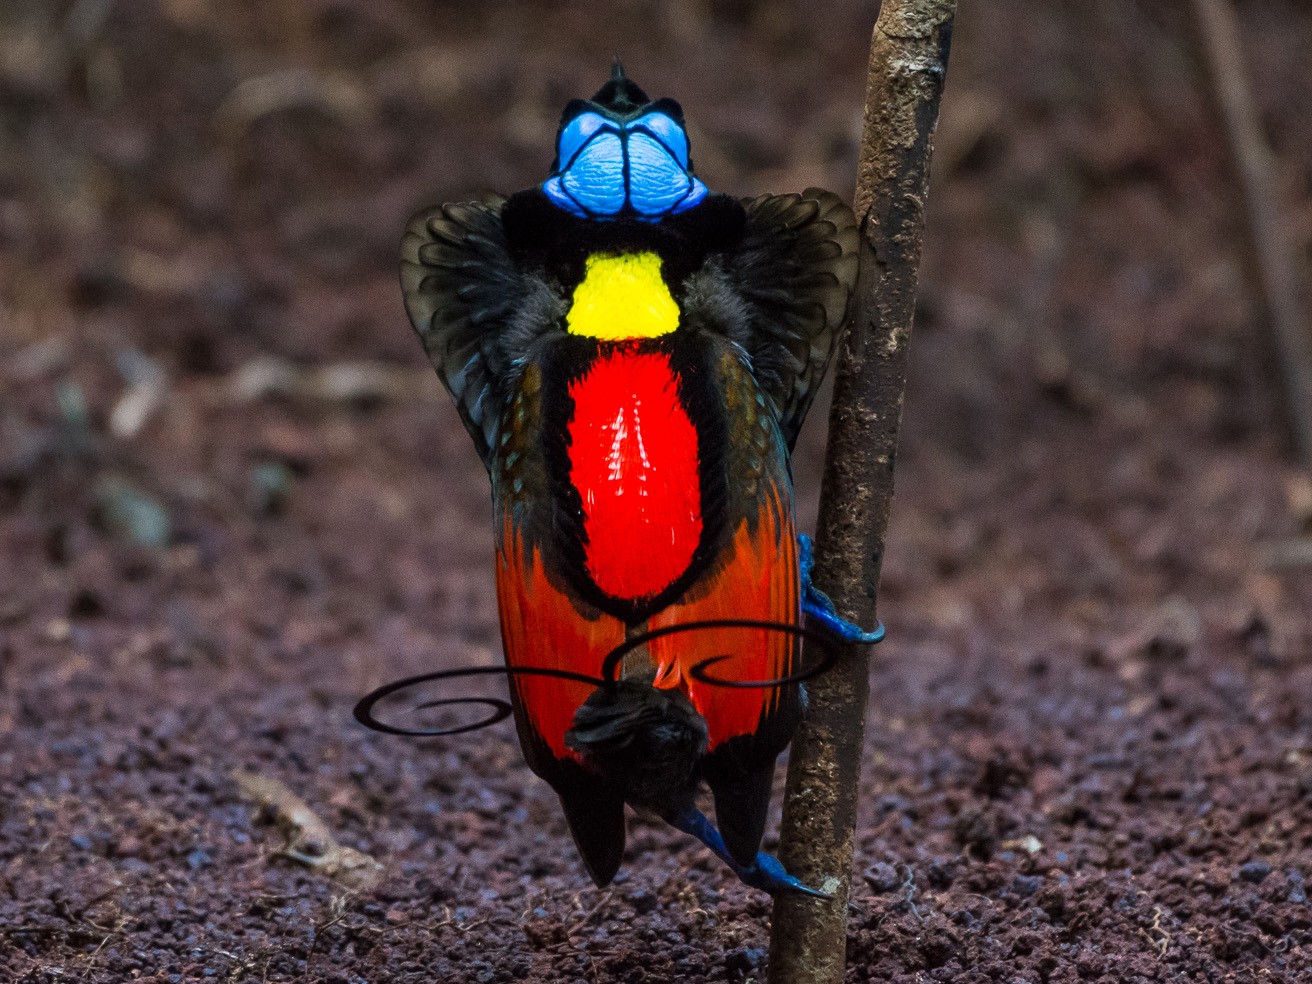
1273,257
908,64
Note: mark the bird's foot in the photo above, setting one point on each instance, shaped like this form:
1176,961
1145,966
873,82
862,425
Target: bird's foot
769,875
765,872
820,607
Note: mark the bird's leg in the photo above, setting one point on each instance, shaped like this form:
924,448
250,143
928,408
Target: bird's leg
765,872
818,605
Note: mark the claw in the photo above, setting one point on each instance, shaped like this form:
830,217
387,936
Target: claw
769,875
765,872
819,606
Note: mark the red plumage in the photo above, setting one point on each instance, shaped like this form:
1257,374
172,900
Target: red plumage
633,461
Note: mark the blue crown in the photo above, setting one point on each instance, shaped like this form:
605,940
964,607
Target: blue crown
619,155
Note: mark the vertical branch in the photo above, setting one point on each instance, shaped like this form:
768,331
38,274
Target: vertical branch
908,62
1273,257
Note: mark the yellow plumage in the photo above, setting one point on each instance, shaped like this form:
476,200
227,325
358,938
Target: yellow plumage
622,297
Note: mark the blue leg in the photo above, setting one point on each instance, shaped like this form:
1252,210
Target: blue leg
817,605
765,873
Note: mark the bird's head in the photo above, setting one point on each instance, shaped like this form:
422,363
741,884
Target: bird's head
622,155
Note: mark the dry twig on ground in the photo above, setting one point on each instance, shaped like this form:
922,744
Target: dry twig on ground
308,839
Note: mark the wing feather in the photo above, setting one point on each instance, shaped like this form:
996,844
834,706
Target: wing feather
477,313
782,294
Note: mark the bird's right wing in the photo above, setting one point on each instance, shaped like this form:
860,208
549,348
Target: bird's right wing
476,311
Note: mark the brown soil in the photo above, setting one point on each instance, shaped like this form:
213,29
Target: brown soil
1090,741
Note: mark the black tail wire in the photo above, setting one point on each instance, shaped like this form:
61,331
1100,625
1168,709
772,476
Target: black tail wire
500,709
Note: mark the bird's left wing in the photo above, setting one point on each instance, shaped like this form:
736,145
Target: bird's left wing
782,294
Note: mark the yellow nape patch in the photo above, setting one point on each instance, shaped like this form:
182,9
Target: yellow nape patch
622,297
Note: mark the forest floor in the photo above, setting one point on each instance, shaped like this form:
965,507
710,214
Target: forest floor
233,499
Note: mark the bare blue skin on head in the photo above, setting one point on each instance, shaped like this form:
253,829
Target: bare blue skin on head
607,167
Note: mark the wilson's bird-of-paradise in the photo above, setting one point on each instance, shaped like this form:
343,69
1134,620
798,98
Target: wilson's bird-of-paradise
633,355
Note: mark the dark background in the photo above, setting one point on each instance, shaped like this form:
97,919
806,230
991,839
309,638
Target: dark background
1090,740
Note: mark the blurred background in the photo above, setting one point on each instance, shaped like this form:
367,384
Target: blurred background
233,497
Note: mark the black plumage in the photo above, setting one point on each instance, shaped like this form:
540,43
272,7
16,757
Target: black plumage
762,287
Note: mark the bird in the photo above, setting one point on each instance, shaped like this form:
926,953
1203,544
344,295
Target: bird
633,355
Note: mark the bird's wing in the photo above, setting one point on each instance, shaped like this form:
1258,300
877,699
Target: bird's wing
541,627
477,313
479,316
782,294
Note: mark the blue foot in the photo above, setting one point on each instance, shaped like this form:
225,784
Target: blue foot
818,605
765,872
